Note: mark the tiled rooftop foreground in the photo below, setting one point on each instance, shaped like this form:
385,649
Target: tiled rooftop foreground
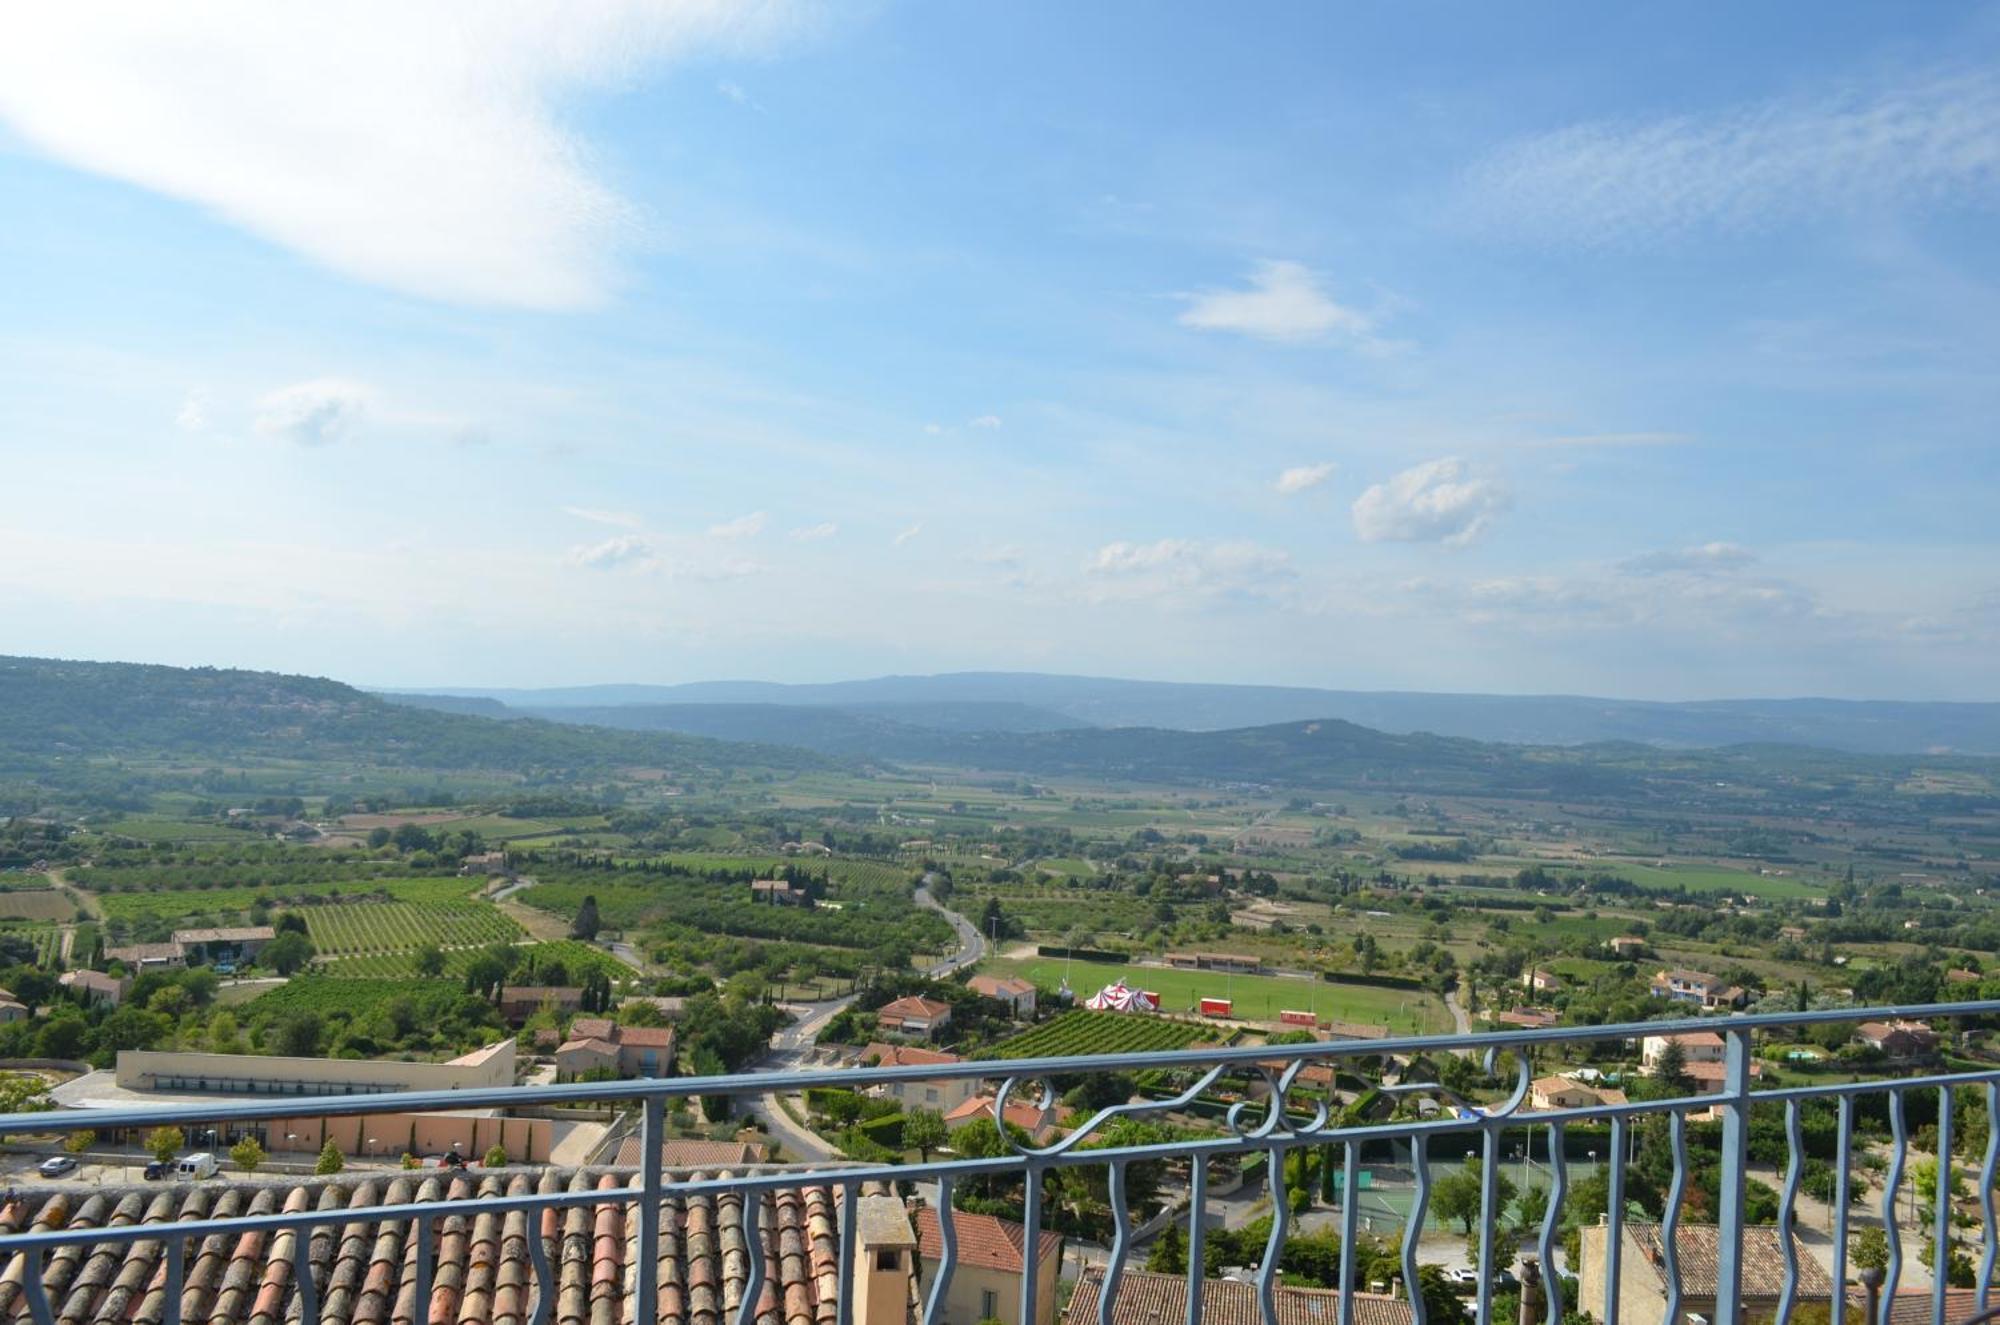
366,1268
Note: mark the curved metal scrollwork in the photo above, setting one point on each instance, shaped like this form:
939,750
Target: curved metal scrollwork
1097,1120
1274,1116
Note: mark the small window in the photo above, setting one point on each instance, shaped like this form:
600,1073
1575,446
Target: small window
930,1095
989,1305
888,1260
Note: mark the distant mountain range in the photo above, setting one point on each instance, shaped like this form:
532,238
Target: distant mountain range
1023,702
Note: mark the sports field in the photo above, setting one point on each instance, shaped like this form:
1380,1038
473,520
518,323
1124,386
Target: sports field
1255,997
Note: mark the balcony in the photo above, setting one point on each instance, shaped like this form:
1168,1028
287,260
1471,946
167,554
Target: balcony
837,1243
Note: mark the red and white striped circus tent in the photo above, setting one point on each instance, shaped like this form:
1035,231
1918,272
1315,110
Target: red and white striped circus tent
1121,998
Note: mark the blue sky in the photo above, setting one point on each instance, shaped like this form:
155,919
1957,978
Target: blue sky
1639,352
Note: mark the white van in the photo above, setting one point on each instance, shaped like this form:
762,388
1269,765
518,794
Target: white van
201,1164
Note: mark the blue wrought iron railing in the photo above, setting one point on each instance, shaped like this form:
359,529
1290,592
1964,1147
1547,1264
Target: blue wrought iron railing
764,1200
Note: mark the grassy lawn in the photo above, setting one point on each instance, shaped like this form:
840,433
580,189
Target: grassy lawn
1256,997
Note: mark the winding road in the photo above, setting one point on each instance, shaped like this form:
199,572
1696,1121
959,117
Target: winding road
790,1046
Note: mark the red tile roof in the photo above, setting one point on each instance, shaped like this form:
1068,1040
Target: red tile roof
1763,1268
1145,1298
903,1055
928,1009
694,1153
983,1240
366,1270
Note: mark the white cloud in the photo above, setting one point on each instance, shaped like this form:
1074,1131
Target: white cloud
315,413
985,421
597,515
1705,559
933,429
1435,502
735,92
626,551
1927,140
1284,303
1301,477
412,146
908,534
193,413
1187,568
743,526
813,533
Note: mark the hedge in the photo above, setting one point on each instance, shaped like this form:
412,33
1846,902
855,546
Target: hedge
1082,954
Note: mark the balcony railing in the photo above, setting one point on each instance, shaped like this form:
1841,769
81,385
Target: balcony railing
434,1244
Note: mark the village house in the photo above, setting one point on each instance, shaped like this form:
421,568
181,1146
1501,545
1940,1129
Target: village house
227,946
1532,1019
11,1008
520,1002
1147,1298
1642,1285
1040,1124
940,1096
488,863
96,986
986,1279
140,958
1547,1093
1696,1047
1705,991
1904,1041
1016,993
778,892
923,1017
1626,945
1541,982
598,1044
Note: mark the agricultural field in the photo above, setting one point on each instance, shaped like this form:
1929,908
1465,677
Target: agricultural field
46,939
1084,1032
159,828
364,929
1255,997
36,904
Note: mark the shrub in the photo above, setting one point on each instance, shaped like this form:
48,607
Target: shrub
330,1159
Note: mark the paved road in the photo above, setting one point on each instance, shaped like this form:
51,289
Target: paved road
791,1046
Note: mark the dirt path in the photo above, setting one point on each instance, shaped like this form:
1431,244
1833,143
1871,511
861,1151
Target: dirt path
81,899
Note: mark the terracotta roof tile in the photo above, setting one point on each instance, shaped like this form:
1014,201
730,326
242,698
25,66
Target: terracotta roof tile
1763,1272
1148,1299
983,1240
482,1272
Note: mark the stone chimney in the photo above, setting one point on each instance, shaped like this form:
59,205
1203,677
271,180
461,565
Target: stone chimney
885,1250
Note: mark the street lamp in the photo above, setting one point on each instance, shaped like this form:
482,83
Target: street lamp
371,1145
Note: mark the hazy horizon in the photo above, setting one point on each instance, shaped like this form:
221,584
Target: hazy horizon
1553,350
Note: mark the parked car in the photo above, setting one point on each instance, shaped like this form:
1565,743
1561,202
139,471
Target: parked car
201,1164
56,1165
158,1169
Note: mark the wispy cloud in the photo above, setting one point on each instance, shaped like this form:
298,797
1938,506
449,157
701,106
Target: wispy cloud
315,413
1284,302
743,526
1925,141
1439,501
1299,478
985,421
444,172
597,515
1704,559
193,413
736,93
907,534
624,552
1188,569
813,533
